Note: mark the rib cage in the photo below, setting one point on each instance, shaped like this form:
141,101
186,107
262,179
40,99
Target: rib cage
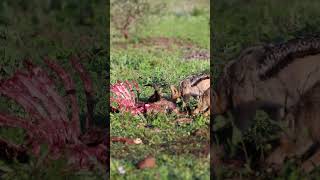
48,121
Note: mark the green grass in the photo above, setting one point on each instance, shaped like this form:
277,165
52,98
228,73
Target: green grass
238,24
186,27
148,68
178,151
178,154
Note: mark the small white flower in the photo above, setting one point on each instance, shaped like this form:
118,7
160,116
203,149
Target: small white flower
137,141
121,170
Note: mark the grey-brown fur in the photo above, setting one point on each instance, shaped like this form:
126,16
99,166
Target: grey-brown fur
240,88
303,131
194,86
306,114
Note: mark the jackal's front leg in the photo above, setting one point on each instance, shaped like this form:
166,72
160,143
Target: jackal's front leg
201,108
288,148
312,162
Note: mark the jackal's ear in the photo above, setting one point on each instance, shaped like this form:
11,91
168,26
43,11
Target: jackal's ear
175,94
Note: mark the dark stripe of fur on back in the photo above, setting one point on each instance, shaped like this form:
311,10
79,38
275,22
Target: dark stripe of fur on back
279,56
195,80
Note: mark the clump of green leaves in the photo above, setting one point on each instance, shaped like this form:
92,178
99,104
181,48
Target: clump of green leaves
262,131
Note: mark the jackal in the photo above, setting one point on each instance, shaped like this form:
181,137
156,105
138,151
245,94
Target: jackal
193,86
267,77
303,131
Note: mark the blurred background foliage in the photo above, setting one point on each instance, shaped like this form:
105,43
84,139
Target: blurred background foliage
184,19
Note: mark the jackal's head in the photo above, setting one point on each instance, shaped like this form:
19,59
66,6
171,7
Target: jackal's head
175,93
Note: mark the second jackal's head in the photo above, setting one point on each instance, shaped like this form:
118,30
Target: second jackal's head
175,93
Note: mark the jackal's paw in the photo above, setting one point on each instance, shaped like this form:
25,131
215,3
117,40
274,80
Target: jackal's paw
310,165
276,158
